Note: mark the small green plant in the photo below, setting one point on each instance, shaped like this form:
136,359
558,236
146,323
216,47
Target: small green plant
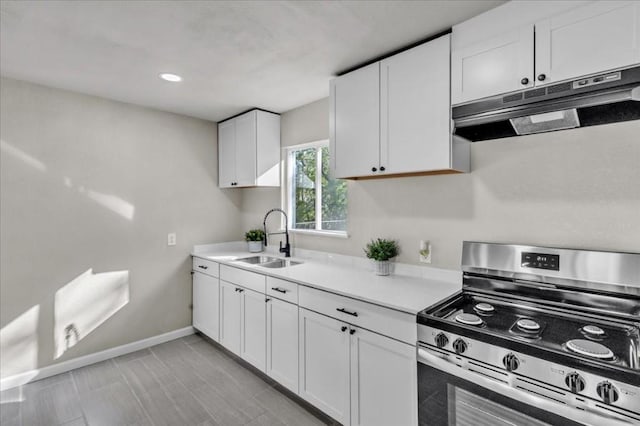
381,249
254,235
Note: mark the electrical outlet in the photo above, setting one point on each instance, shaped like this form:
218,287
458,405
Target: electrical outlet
425,251
171,239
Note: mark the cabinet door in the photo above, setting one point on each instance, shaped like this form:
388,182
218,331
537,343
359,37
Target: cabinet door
246,154
415,105
226,154
354,122
594,38
383,381
230,317
324,364
206,304
282,343
253,328
493,66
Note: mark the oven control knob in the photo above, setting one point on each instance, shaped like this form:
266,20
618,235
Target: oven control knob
607,392
441,340
511,362
460,346
575,382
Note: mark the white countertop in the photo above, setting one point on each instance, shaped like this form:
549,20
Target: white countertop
410,289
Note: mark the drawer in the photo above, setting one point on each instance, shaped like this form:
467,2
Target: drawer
283,290
392,323
206,267
247,279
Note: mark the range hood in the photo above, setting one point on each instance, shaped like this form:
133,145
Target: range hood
598,99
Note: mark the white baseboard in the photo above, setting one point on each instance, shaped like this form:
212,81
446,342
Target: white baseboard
63,367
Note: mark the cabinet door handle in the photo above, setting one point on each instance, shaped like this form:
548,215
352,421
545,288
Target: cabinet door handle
344,311
352,331
382,169
267,299
240,290
524,81
373,169
542,77
203,267
344,328
278,289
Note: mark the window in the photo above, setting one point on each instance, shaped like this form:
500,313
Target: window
316,201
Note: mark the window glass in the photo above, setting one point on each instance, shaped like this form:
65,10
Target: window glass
317,202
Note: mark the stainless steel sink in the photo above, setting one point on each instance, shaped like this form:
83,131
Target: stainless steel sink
258,259
269,262
280,263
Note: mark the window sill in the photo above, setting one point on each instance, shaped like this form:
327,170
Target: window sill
333,234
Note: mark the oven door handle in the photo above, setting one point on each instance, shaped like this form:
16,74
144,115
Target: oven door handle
585,415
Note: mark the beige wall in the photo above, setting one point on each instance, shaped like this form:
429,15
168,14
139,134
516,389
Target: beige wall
91,183
577,188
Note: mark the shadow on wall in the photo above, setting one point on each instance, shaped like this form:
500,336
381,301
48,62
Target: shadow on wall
111,202
80,306
85,303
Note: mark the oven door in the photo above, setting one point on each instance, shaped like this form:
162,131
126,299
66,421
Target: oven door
449,395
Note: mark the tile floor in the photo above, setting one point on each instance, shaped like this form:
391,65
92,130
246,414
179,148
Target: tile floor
188,381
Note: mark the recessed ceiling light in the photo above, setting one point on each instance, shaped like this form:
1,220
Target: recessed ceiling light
174,78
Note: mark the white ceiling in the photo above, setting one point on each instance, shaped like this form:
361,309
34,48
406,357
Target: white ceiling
233,55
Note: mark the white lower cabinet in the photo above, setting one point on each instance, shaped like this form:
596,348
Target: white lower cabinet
230,317
324,364
252,328
205,304
358,377
282,343
383,381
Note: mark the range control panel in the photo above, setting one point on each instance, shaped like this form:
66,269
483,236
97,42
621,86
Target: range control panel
540,261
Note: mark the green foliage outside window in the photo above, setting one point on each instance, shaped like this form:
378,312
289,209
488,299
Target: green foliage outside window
334,192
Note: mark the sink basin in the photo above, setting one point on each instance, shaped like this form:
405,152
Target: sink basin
258,259
280,263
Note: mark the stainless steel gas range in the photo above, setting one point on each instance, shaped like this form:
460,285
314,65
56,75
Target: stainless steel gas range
537,336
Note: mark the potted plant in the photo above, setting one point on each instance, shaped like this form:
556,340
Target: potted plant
255,238
380,251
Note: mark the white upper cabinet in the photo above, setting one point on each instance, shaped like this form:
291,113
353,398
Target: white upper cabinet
594,38
355,122
415,109
498,65
249,150
525,44
393,117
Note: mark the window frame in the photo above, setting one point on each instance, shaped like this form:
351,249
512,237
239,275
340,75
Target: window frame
288,193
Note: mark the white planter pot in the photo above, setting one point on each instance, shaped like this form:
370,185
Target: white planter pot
255,246
382,267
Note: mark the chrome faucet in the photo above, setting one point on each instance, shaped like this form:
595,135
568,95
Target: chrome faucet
287,247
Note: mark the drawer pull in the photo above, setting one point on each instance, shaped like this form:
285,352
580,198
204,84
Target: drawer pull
352,331
343,328
278,289
344,311
203,267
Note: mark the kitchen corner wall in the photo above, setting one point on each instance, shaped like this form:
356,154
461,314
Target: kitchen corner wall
577,188
89,190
